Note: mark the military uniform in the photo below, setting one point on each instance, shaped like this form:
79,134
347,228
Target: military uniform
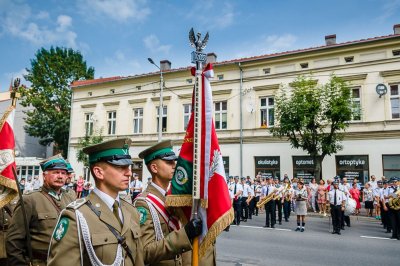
168,250
5,219
42,209
67,246
101,229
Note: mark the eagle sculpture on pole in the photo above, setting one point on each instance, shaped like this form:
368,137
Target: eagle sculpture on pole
197,42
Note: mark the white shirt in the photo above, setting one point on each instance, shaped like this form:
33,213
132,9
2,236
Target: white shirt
268,189
36,184
28,186
136,185
162,191
257,190
109,201
373,184
340,197
247,191
239,187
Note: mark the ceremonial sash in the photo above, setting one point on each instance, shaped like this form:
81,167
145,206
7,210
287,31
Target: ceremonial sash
159,205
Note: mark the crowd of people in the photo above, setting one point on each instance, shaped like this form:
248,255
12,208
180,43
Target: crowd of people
278,199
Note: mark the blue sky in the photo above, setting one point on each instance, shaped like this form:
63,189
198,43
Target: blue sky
117,36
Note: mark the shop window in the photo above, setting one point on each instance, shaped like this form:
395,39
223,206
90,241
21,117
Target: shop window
303,167
267,166
353,166
391,165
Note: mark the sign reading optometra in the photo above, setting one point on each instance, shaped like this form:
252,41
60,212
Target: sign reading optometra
353,166
303,167
268,166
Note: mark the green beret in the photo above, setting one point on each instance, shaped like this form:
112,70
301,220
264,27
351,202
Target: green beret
55,162
114,151
162,150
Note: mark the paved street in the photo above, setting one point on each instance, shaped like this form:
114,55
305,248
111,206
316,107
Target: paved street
364,243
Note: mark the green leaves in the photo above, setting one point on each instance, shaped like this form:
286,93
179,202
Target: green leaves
52,71
87,141
313,117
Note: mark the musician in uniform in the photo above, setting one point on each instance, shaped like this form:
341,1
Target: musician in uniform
256,187
100,229
247,195
301,197
237,190
278,200
337,201
384,200
42,208
269,191
287,198
165,241
394,214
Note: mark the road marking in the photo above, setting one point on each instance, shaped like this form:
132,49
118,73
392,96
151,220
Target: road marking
268,228
376,237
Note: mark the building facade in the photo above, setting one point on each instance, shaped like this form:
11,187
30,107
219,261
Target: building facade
243,95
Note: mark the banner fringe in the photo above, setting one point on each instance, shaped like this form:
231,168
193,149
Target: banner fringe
5,116
184,200
9,192
218,226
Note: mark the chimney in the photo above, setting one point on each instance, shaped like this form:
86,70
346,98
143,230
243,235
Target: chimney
330,39
396,29
211,58
165,65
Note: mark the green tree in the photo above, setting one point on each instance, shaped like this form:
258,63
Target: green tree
313,117
51,73
84,142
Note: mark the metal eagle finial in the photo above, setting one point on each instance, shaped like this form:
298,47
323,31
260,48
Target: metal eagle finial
197,42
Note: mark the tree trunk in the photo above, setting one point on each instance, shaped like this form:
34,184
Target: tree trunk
318,167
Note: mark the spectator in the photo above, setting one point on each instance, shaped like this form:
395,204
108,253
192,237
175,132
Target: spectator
321,197
313,193
86,189
373,183
355,194
22,185
36,183
28,185
136,186
368,198
79,186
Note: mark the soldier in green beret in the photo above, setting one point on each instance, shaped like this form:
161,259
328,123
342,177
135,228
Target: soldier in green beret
100,229
42,208
165,240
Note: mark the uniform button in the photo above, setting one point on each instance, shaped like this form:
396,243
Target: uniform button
46,216
6,220
105,239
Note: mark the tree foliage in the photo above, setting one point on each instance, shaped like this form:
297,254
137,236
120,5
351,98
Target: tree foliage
313,117
51,73
85,142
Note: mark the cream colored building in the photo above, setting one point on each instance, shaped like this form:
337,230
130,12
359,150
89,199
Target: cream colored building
243,92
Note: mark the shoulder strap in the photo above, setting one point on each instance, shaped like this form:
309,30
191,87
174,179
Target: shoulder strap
121,239
52,201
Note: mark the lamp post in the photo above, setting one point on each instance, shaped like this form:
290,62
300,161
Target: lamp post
160,108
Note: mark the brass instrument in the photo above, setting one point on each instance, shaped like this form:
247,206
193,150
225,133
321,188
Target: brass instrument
265,200
394,202
286,191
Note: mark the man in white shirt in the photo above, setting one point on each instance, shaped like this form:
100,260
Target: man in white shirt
247,195
373,183
268,189
136,186
237,201
337,202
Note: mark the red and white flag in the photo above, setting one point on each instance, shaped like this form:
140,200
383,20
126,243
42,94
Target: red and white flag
216,207
8,186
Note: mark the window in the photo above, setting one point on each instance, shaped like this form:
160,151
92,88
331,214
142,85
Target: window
267,112
189,81
353,167
391,165
164,118
187,111
112,122
395,100
89,124
89,93
267,70
221,115
138,87
137,120
349,59
356,104
304,65
220,77
112,91
396,52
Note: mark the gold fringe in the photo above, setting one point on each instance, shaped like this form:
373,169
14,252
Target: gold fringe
10,191
204,203
178,200
215,230
5,115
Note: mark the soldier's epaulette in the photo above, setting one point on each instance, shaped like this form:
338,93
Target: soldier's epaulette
77,203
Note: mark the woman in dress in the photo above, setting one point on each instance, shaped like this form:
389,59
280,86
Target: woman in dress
368,198
300,195
321,197
355,194
79,187
313,193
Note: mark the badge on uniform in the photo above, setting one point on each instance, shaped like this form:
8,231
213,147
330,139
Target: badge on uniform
61,229
142,214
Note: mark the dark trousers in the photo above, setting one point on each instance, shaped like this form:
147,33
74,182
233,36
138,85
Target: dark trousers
345,220
385,217
336,214
237,207
278,206
245,208
252,207
270,213
395,222
286,209
134,195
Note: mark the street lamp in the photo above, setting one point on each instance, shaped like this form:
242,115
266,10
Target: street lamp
160,108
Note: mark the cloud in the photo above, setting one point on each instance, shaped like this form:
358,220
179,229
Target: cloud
18,21
389,9
152,43
118,65
119,10
268,45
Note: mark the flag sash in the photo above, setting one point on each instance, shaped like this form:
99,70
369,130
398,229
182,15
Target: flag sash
158,204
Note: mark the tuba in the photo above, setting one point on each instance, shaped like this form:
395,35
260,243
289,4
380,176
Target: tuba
394,202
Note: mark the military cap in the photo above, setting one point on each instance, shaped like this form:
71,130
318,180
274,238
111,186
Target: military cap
385,182
162,150
335,182
236,177
231,177
55,162
114,151
69,167
267,177
379,182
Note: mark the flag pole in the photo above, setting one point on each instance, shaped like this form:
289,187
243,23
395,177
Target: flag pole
198,58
